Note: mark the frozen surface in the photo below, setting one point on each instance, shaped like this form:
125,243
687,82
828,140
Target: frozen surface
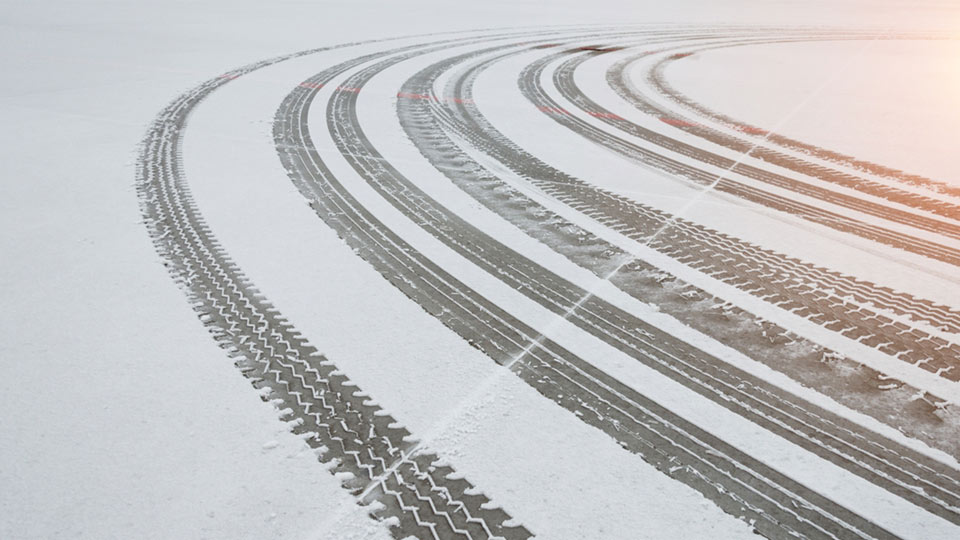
120,416
498,431
890,102
538,134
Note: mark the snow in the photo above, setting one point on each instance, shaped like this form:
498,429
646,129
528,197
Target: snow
593,71
849,115
283,272
120,416
112,428
817,244
503,436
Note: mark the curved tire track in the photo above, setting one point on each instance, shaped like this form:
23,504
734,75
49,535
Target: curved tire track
659,82
379,461
306,170
860,323
739,484
755,337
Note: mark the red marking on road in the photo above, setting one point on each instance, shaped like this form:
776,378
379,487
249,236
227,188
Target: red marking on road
604,115
228,76
553,110
750,130
312,85
680,55
677,122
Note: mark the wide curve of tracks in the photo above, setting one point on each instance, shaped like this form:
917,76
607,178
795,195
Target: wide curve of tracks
800,288
448,129
856,309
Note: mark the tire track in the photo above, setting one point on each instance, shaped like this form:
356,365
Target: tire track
864,324
620,81
475,247
739,484
363,445
594,316
533,92
756,338
943,208
929,352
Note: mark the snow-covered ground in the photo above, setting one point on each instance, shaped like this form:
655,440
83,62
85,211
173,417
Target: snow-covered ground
891,102
120,416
